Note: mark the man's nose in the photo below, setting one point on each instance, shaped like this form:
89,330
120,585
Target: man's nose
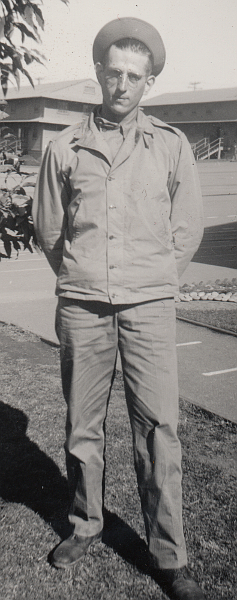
123,82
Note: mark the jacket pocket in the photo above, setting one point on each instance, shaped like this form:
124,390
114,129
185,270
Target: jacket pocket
155,216
86,236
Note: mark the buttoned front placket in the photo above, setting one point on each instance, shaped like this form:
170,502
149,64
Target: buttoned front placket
115,237
115,220
114,210
115,202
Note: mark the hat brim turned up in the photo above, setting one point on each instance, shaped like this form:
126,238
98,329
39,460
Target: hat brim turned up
129,27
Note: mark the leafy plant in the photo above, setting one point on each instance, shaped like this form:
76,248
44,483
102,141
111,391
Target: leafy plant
25,17
16,224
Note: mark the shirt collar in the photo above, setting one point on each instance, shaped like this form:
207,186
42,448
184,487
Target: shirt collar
127,123
87,131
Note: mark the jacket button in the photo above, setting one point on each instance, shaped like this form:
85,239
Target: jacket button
112,206
111,237
112,266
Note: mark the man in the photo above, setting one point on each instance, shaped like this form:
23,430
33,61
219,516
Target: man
118,213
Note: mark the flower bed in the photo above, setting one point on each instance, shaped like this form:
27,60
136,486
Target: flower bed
222,291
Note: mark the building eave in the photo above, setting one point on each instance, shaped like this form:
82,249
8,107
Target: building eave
71,91
42,121
203,121
209,96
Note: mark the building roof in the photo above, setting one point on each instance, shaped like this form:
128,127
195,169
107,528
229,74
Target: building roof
197,96
82,90
64,120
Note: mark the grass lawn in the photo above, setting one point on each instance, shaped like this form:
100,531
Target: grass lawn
34,491
216,314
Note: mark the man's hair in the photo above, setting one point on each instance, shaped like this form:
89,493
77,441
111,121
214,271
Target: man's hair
135,46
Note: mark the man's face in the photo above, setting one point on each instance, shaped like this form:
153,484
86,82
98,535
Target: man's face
124,79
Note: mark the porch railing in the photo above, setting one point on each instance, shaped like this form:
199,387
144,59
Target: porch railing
11,144
204,149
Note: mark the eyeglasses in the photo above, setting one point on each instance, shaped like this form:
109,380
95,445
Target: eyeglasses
113,77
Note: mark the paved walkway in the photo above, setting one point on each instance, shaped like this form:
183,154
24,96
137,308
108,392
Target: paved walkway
27,300
27,296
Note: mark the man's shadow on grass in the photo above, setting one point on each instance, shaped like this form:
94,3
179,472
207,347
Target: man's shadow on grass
28,476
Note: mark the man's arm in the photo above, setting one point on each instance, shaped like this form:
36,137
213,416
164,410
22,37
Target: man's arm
187,207
49,209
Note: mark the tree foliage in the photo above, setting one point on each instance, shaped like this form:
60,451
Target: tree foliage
16,224
26,18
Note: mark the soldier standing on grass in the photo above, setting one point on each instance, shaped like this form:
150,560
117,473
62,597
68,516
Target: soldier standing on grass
118,213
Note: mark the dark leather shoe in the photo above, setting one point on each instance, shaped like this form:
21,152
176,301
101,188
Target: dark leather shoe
71,550
179,584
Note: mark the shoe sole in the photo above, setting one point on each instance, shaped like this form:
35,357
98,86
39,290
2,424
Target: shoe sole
59,565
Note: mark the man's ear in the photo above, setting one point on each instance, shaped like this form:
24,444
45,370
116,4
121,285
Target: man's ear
99,70
149,83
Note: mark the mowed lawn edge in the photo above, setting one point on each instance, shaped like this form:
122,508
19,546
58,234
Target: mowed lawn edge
34,490
222,315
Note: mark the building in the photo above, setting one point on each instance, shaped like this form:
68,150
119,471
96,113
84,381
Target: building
200,114
35,115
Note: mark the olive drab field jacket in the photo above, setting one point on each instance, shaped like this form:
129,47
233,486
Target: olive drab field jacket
121,232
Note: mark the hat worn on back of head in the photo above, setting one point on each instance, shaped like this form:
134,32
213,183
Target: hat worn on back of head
129,27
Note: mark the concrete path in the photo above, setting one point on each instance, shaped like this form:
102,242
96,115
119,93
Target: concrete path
27,289
207,360
27,297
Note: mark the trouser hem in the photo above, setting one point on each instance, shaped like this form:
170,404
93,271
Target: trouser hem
169,561
83,530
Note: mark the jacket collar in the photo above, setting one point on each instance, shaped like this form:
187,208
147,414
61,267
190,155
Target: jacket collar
144,124
88,136
86,132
